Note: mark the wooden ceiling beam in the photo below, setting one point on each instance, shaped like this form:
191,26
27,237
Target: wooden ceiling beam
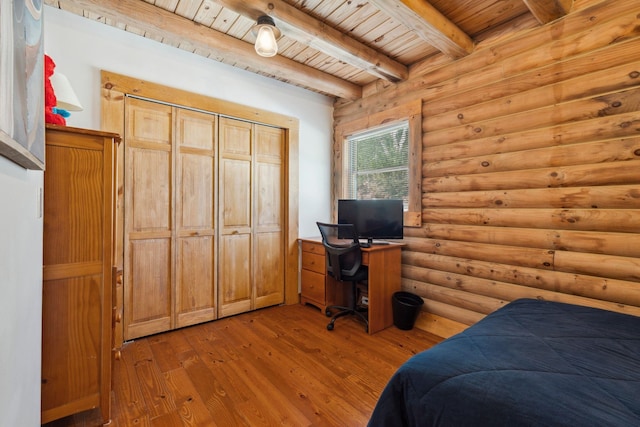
312,32
429,24
160,22
546,11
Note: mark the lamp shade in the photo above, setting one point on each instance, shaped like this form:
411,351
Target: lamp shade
266,36
66,97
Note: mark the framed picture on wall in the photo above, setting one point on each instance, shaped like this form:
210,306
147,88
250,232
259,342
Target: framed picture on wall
22,83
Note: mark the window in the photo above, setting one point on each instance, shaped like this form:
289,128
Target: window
378,164
387,150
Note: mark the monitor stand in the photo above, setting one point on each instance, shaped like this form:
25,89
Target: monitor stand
370,243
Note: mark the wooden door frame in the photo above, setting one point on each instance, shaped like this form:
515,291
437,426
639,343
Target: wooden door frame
115,87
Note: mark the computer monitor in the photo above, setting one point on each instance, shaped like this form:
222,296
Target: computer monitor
373,219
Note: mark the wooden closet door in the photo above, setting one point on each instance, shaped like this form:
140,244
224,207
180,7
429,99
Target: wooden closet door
195,213
149,201
235,192
268,217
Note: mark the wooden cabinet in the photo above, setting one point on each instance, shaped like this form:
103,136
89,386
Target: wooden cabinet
77,272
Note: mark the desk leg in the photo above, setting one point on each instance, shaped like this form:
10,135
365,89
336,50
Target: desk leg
384,279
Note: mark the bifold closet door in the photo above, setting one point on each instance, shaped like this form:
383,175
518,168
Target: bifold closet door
169,278
251,258
203,229
195,281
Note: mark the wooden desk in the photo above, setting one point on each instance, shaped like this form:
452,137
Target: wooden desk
321,290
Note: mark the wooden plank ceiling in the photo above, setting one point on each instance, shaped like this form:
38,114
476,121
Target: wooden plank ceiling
334,47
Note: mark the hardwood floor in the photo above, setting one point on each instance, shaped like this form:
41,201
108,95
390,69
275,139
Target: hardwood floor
275,366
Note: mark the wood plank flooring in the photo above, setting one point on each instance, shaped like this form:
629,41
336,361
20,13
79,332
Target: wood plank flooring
275,366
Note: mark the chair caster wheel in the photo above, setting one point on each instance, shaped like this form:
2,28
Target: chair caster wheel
330,327
327,313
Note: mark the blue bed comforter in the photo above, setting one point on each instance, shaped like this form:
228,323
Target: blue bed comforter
530,363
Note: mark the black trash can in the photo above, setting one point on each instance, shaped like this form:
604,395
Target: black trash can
406,307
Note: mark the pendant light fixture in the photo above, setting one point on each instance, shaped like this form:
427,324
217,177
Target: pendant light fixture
267,35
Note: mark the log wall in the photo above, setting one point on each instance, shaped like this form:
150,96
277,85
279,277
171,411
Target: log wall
530,168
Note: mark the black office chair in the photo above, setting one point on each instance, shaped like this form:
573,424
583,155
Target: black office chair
344,263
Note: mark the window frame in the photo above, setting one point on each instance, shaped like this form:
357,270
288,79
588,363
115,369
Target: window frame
412,113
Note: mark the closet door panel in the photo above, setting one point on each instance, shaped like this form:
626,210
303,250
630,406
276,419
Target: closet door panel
149,298
235,137
269,270
196,195
236,195
268,197
235,210
149,219
150,190
195,297
235,274
268,221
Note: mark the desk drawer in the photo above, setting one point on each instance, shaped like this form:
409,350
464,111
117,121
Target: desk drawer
313,247
313,285
313,262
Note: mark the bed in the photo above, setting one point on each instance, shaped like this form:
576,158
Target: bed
530,363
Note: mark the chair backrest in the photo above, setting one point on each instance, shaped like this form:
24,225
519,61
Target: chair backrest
344,256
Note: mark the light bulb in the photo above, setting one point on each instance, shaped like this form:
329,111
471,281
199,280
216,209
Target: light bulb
266,42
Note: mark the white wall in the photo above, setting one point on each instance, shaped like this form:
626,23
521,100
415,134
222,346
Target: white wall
81,48
21,287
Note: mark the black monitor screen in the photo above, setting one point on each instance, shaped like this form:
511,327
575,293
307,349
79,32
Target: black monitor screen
373,219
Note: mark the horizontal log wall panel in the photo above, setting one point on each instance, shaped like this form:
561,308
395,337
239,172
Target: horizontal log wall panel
588,85
531,257
570,176
604,265
602,289
583,109
607,197
562,155
530,166
618,126
622,244
448,311
548,74
485,296
623,268
460,298
612,220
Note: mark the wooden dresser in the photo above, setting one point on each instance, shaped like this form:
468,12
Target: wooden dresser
77,272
